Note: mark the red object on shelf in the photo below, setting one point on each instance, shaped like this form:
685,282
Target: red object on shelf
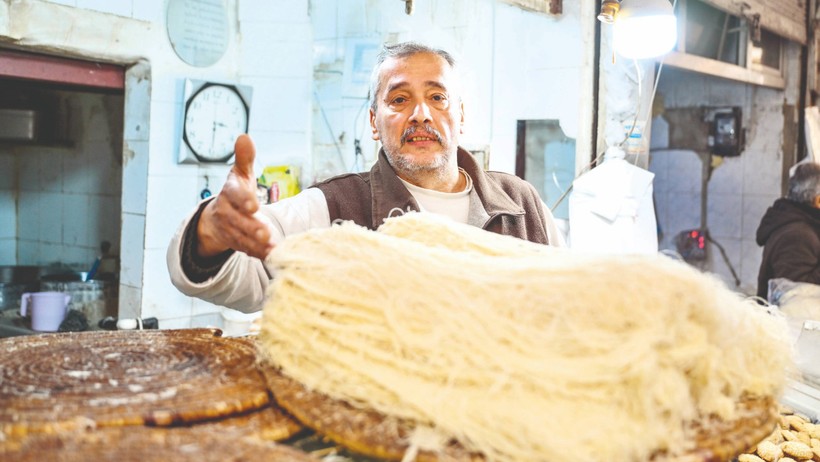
273,193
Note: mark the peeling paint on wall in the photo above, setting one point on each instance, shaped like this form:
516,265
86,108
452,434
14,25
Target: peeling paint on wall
128,154
48,27
687,128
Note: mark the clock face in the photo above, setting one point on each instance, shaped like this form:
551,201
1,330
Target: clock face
214,117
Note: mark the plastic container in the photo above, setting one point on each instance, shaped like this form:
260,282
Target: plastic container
96,298
236,324
47,309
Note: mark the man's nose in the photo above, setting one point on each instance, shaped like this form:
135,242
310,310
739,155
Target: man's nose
421,113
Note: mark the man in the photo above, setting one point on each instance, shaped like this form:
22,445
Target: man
790,232
417,115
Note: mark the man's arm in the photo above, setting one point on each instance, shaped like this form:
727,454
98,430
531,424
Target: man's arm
797,258
233,277
226,237
196,267
229,222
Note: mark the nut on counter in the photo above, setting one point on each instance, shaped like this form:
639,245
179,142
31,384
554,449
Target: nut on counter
795,439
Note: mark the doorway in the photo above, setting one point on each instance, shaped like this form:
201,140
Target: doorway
61,164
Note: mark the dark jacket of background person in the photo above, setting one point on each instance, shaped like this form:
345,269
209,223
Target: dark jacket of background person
790,234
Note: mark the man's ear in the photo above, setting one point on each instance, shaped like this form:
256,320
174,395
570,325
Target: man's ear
817,201
374,132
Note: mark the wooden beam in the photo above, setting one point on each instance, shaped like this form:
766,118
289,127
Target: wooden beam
44,68
540,6
716,68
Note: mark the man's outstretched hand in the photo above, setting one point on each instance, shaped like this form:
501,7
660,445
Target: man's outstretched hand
228,221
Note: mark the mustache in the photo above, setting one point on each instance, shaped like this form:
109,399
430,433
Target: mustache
425,128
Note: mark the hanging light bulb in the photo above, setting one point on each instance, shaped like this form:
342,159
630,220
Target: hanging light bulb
609,9
644,29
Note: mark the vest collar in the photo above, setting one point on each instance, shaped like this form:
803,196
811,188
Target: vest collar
493,198
390,197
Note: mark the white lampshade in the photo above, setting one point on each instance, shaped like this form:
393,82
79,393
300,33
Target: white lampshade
645,29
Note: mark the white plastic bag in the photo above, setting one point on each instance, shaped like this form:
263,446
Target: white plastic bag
796,299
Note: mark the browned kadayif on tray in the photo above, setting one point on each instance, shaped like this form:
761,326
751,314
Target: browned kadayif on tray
365,432
376,435
56,382
146,444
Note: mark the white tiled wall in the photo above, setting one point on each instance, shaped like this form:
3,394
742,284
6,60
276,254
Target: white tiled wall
273,51
273,55
740,188
66,199
145,10
8,209
157,192
504,81
276,59
677,188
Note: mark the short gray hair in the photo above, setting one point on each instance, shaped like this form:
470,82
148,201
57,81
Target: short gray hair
804,185
398,51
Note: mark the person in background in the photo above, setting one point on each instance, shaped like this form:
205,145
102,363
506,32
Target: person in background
417,114
790,232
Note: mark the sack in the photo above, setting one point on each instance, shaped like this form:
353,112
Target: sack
795,299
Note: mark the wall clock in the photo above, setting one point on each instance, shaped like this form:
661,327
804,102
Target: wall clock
214,115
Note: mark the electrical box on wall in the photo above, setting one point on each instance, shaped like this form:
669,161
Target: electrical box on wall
726,134
691,245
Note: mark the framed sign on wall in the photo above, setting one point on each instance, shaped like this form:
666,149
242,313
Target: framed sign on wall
199,30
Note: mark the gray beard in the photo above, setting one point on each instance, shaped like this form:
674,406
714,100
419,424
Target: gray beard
406,166
409,168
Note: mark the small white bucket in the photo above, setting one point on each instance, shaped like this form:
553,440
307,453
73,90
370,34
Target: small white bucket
236,323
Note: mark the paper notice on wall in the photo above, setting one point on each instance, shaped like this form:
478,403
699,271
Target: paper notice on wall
360,57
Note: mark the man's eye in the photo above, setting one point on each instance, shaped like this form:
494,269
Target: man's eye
439,97
399,100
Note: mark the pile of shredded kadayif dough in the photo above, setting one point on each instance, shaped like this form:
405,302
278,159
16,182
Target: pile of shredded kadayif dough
519,351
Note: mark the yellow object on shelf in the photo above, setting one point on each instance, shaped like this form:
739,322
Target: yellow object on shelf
281,180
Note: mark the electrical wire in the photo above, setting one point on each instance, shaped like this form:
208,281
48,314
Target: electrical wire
358,134
723,254
329,128
637,106
651,98
597,158
594,161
